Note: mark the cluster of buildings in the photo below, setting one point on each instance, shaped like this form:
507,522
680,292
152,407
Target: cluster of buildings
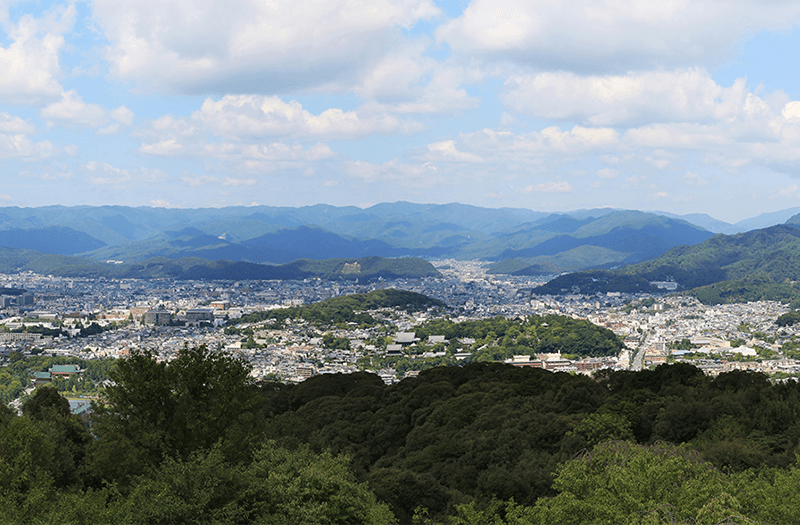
163,316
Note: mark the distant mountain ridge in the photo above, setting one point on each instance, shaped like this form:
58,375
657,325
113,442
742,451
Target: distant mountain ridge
51,239
188,268
516,240
756,265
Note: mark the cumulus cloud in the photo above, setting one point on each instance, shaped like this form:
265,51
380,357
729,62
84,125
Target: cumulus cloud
446,151
630,99
15,125
252,116
30,62
250,46
71,111
407,81
229,181
610,35
22,147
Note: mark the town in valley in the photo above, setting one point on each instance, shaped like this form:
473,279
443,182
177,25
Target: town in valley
91,319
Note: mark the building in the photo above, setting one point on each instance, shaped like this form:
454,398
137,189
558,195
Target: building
41,378
157,317
198,315
405,338
66,371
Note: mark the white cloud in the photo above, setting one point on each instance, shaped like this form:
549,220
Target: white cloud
446,151
105,174
250,46
402,175
407,81
791,110
15,125
611,35
693,179
549,187
195,181
71,110
64,175
631,99
551,141
22,147
122,115
252,116
30,62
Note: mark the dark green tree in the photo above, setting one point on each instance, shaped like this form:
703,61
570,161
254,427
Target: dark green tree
156,410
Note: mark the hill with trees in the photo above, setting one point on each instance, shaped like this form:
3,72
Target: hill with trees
13,261
344,309
195,440
757,265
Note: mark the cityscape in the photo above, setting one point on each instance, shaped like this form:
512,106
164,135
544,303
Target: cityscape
163,316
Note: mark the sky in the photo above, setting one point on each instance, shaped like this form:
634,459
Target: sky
680,106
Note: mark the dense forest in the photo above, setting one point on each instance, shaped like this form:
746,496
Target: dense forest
196,441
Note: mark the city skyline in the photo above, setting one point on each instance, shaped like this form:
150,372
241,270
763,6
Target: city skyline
680,107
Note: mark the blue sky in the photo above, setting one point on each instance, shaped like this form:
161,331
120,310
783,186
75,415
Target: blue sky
677,106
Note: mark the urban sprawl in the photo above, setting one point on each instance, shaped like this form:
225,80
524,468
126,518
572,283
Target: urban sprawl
163,316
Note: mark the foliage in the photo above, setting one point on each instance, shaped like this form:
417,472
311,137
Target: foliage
597,281
196,268
748,266
788,319
683,344
345,309
156,409
757,288
195,441
174,442
534,334
487,430
15,377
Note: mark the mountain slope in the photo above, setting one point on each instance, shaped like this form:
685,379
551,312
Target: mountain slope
631,236
52,239
193,268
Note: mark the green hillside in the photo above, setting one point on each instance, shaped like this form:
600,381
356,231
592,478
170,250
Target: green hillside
773,252
188,268
758,265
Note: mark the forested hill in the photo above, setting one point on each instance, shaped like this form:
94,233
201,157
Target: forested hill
484,443
772,252
13,261
344,309
760,264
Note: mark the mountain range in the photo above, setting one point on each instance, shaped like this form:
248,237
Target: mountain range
516,241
